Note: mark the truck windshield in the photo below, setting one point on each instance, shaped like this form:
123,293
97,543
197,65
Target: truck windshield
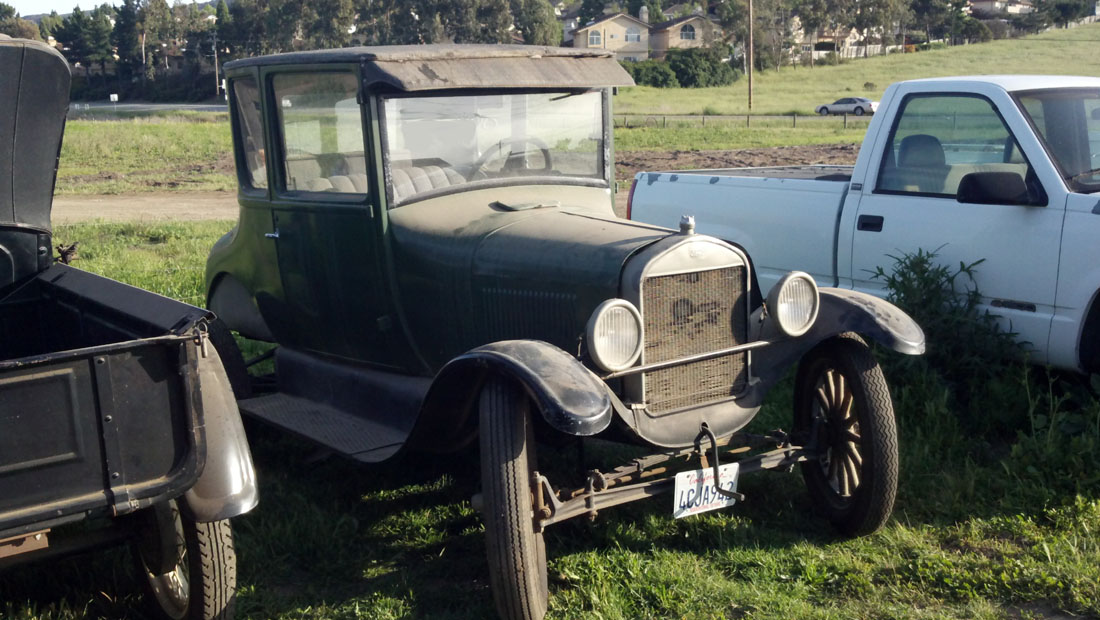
1069,122
434,145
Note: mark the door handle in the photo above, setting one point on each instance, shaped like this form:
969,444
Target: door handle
870,223
272,235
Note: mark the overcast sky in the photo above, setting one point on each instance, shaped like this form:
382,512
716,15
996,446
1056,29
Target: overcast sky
34,7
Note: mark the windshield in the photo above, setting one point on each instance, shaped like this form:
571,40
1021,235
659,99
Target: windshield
1068,120
435,145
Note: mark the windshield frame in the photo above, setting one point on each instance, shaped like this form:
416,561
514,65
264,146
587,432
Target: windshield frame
605,154
1072,184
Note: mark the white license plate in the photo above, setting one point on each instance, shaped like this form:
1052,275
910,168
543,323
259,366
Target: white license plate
695,492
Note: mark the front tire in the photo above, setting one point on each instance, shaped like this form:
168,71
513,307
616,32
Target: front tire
203,584
843,408
516,552
823,111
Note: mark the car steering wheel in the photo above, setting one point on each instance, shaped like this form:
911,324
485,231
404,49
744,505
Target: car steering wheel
512,159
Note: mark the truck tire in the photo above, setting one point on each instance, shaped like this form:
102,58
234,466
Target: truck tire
842,406
232,359
516,552
203,584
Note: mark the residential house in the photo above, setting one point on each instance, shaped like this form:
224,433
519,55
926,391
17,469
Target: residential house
627,36
683,32
999,7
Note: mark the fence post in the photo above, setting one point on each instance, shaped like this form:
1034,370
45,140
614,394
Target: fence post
746,120
704,120
845,120
794,120
664,122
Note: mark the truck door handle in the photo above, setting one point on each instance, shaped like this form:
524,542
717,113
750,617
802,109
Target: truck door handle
272,235
871,223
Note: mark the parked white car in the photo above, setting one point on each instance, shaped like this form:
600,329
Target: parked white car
1000,168
848,105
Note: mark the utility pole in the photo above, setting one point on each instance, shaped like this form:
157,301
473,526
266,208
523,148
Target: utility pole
749,53
217,82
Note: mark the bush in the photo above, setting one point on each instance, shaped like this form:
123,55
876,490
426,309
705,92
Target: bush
652,73
700,67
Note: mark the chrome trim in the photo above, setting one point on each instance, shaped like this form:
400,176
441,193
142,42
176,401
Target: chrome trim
701,357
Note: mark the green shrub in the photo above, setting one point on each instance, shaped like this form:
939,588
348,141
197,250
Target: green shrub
700,67
652,73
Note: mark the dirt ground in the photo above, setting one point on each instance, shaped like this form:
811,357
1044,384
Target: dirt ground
175,205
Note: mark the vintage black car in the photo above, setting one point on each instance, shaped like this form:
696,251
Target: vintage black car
117,421
428,235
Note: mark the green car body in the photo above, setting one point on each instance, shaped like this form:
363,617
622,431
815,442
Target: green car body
421,225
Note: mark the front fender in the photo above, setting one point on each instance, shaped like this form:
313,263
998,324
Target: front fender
227,486
840,311
570,398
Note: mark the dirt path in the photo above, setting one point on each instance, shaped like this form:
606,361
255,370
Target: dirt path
223,205
186,206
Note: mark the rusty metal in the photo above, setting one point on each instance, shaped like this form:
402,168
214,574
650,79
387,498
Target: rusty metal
17,545
701,357
704,430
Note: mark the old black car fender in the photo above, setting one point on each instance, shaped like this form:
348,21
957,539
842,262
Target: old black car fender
227,486
841,311
569,397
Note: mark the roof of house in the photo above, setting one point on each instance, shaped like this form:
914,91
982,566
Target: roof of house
665,25
606,18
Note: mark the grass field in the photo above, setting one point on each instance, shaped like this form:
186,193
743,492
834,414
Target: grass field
1056,52
998,514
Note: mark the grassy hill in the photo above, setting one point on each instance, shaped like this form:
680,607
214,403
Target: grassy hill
1066,52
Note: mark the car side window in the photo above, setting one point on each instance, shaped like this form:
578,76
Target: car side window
939,139
250,127
321,133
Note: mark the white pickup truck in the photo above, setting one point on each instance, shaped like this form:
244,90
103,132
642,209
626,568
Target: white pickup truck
1001,168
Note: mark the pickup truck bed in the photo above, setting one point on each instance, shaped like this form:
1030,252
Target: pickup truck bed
81,378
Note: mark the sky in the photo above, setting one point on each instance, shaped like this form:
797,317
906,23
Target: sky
34,7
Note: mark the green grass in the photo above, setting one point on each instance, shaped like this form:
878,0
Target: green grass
1056,52
992,520
176,152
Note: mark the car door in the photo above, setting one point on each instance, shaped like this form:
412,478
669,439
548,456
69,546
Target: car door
910,204
323,224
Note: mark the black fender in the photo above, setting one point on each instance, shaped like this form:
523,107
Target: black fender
569,396
841,311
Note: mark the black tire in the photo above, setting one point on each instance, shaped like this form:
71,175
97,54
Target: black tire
840,384
232,359
859,111
203,585
516,552
823,111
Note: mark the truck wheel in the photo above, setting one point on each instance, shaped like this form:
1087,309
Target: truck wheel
232,359
859,111
203,583
823,111
516,552
842,406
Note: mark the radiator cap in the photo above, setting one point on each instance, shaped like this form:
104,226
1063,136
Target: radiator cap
687,224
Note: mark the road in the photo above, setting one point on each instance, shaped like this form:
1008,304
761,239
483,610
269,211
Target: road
80,107
189,206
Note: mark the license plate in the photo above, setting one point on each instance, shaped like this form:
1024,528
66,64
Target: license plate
695,492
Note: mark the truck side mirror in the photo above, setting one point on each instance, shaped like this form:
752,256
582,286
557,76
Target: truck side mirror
996,188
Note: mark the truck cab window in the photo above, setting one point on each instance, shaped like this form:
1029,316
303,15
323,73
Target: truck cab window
1068,121
321,131
939,139
250,127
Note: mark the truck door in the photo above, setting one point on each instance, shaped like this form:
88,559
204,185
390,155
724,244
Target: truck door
911,204
323,226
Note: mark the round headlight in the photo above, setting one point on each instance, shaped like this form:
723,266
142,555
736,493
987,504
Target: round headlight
615,335
793,301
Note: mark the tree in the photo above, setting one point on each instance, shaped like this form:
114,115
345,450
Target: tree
699,67
126,40
590,10
49,24
330,21
13,25
656,16
99,37
932,15
535,20
155,19
813,15
1062,12
73,35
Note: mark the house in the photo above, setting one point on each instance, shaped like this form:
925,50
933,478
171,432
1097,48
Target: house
1000,7
627,36
683,32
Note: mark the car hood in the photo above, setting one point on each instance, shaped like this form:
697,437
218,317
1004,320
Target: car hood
491,272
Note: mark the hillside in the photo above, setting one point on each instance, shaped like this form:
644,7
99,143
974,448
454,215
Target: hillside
1067,52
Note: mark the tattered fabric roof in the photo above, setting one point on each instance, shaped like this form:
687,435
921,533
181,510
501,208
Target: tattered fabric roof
433,67
34,99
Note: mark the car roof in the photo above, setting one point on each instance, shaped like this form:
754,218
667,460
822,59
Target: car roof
1013,83
434,67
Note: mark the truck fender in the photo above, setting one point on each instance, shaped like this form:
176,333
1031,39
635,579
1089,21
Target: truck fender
227,486
569,396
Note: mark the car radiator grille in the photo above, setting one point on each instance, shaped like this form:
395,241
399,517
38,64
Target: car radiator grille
688,314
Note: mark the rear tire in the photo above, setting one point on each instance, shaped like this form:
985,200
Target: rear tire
516,552
203,585
843,406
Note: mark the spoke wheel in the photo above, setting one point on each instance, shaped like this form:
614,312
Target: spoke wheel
516,552
844,412
203,584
